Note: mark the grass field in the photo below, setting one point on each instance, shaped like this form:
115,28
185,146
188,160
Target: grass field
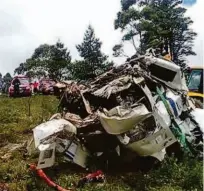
16,123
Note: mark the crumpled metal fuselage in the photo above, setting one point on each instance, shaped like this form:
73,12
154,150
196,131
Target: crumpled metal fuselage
122,109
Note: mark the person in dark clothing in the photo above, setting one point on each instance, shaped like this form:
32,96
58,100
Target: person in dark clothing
16,84
35,86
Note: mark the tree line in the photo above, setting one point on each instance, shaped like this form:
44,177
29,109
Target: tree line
158,24
55,60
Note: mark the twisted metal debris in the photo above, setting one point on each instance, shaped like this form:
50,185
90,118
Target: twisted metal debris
140,107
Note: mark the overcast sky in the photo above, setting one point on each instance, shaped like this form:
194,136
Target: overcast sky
25,24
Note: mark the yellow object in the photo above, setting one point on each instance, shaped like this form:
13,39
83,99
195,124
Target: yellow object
197,68
168,57
195,83
193,94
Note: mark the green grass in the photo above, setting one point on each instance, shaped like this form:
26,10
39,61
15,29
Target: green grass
16,127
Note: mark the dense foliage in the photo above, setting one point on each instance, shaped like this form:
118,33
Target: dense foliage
52,60
94,61
159,24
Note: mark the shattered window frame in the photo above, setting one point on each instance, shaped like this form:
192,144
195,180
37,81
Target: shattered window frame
162,73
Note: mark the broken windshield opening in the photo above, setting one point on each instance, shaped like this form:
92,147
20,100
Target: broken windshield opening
195,80
162,73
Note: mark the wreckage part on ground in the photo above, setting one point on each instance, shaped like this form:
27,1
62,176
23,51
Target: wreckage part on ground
198,115
86,104
175,127
77,154
96,177
60,137
145,90
98,141
73,118
161,114
184,130
81,124
47,156
166,72
175,102
50,137
139,132
56,116
114,87
193,136
49,182
52,128
120,120
153,143
160,155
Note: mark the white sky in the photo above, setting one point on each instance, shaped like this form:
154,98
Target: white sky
25,24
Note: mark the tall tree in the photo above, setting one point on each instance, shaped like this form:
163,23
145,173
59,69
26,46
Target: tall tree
1,82
52,60
170,29
163,25
7,78
129,21
21,69
94,61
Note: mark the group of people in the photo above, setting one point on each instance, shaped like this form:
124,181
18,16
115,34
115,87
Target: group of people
4,86
33,83
16,84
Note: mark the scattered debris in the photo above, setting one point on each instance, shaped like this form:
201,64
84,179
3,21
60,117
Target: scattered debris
96,177
4,187
6,151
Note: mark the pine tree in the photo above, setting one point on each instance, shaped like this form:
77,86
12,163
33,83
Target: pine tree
160,24
21,69
7,81
168,29
7,77
94,61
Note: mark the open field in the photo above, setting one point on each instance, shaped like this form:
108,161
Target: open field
16,123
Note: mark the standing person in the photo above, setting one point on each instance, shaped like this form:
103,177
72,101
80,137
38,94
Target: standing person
16,82
1,85
35,85
5,86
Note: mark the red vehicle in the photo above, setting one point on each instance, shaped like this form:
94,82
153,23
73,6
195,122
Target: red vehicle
24,87
46,86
